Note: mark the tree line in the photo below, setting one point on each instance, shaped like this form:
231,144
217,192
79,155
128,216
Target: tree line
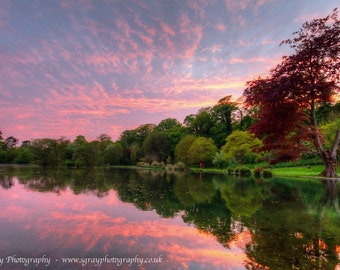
198,139
215,136
291,113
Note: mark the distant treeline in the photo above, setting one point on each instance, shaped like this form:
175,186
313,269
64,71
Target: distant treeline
214,136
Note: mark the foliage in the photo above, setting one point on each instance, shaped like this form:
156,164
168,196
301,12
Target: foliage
219,161
329,129
113,153
49,152
288,99
267,173
86,154
244,172
242,146
182,149
173,131
155,146
202,150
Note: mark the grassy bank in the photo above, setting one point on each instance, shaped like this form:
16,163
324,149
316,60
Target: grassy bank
294,171
298,171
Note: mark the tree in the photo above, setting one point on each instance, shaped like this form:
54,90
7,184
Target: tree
132,141
113,153
10,142
168,124
50,152
174,132
182,149
224,109
200,123
242,146
202,150
155,147
86,153
288,99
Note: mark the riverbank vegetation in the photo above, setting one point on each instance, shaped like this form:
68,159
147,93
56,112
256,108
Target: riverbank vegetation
292,115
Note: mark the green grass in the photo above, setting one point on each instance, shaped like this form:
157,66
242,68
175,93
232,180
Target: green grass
313,171
294,171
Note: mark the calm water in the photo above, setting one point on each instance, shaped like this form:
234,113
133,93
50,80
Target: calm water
112,219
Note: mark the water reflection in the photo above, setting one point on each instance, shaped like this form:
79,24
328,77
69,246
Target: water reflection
195,221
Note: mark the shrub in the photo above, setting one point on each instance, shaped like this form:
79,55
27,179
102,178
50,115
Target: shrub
180,166
143,164
257,172
267,174
230,171
245,172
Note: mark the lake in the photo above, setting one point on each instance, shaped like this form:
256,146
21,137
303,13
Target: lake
143,219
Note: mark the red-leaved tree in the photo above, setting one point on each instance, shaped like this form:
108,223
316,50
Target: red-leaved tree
287,100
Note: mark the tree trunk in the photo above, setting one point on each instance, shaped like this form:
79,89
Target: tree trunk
328,156
329,160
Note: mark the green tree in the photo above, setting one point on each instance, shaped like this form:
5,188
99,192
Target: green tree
155,147
49,152
113,153
202,150
168,124
223,124
25,154
242,146
131,140
329,129
104,140
86,154
182,149
200,124
174,132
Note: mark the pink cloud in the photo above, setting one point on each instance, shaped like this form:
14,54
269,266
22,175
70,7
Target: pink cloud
167,29
221,27
236,60
235,6
199,8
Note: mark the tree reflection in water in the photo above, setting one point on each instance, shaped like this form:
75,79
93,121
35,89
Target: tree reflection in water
279,223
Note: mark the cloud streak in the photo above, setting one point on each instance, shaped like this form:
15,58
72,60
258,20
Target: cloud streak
79,67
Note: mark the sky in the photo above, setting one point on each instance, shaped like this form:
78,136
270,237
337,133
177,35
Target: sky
91,67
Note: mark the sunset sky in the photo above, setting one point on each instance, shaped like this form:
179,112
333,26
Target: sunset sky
90,67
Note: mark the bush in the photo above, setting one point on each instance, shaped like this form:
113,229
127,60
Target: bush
143,164
245,172
180,166
257,172
267,174
230,171
242,171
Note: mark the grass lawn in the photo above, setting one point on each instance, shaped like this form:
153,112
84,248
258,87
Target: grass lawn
314,171
294,171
